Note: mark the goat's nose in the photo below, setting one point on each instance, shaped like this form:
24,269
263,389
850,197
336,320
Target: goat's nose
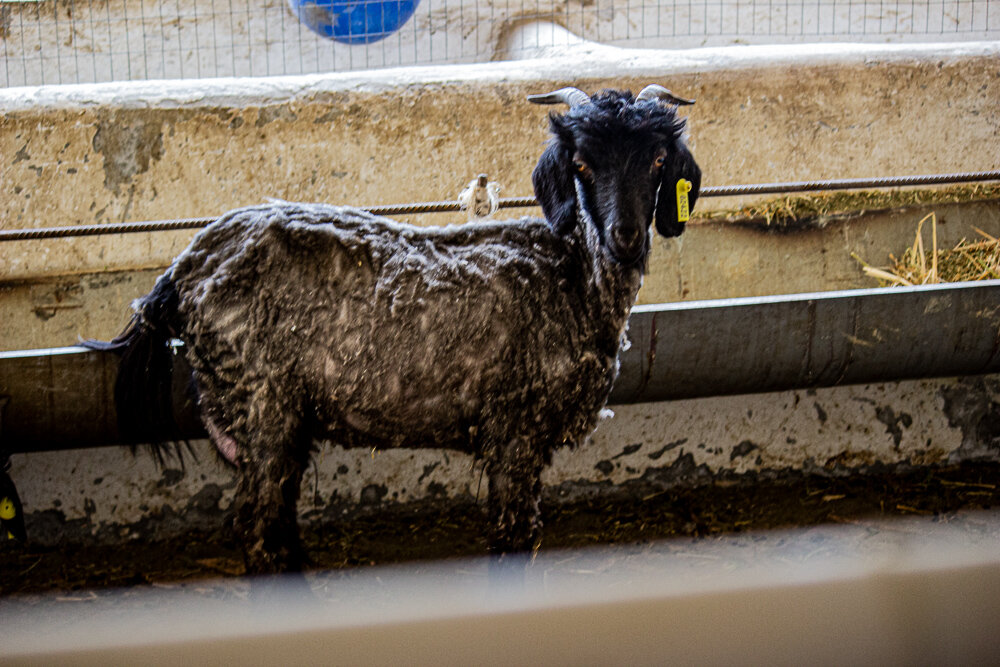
625,235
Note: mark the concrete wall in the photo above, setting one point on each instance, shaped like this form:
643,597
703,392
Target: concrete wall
145,151
170,149
713,260
646,449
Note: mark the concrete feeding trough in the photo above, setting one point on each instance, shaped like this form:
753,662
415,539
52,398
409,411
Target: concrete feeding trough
758,350
914,591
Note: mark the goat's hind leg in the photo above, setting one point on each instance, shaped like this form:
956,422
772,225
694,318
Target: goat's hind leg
266,520
270,462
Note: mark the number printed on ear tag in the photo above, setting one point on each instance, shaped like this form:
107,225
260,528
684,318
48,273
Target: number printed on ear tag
683,208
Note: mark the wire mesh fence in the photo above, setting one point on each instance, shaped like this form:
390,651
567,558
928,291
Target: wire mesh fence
83,41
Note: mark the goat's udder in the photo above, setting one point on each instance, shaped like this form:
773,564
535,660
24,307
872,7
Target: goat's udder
222,441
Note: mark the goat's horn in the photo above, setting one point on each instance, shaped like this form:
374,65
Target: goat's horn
655,92
574,97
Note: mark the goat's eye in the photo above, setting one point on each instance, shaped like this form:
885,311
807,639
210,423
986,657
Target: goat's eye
580,166
658,162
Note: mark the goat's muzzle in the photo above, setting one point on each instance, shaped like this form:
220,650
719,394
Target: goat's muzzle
626,244
624,236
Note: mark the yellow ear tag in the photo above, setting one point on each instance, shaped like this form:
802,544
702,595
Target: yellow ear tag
7,510
683,207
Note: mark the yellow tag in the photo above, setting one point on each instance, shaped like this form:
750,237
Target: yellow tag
683,208
7,509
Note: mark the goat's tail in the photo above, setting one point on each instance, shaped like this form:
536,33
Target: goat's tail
144,386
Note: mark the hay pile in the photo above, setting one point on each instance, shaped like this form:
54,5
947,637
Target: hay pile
969,260
808,211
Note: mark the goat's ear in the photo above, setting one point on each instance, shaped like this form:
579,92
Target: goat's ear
555,187
681,165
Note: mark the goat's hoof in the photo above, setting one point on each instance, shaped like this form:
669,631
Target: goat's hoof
291,588
506,572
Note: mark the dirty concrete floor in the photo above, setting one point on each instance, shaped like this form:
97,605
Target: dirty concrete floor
864,513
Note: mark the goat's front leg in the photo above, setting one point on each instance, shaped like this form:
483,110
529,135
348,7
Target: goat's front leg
514,470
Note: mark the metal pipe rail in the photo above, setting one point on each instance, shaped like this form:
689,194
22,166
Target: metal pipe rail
62,398
513,202
802,341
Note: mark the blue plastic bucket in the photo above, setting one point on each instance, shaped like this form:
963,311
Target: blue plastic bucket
354,21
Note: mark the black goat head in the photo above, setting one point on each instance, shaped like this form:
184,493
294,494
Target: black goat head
617,159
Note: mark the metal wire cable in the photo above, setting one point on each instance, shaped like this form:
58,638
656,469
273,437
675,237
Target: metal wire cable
850,184
515,202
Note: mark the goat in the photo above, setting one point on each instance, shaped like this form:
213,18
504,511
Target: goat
500,339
